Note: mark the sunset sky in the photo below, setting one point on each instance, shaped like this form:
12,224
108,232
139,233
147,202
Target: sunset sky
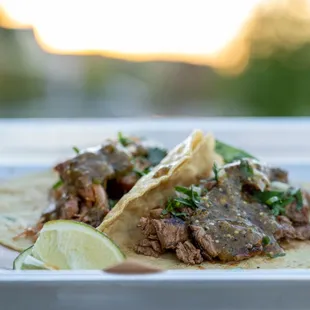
196,27
198,31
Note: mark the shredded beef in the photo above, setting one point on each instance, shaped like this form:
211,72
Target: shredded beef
158,214
170,232
150,245
161,234
147,227
96,175
277,174
207,184
204,241
297,216
127,182
70,209
149,248
101,198
287,230
188,254
303,232
306,195
94,180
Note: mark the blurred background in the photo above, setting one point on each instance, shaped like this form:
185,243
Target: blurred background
88,58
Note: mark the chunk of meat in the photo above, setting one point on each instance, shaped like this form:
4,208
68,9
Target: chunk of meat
137,149
306,195
207,184
303,232
204,241
30,233
273,249
160,234
93,181
94,216
55,194
188,254
297,216
101,198
287,230
170,232
246,172
70,209
147,227
148,247
158,214
95,166
277,174
127,182
84,190
228,241
93,212
141,163
186,210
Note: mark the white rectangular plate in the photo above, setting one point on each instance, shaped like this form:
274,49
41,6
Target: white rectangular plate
32,145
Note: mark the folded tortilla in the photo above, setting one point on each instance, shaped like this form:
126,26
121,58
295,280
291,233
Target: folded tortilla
184,165
22,201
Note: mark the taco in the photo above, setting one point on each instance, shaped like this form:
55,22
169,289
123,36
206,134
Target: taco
188,161
83,188
191,213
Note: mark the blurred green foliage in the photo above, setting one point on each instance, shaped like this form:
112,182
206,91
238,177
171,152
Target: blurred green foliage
19,81
274,86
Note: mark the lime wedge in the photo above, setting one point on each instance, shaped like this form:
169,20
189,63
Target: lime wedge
31,263
19,260
25,261
67,245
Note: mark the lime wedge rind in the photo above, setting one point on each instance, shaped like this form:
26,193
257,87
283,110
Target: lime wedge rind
31,263
19,260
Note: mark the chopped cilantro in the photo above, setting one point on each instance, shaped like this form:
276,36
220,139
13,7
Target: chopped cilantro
155,155
296,192
265,240
230,153
246,169
191,199
179,214
164,212
277,200
76,150
58,184
142,173
216,171
112,203
123,140
272,200
172,208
